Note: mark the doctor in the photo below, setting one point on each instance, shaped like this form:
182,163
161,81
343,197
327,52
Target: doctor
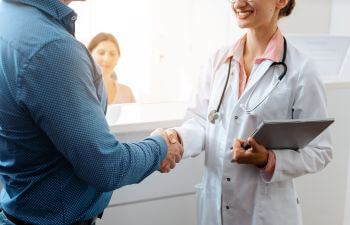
261,76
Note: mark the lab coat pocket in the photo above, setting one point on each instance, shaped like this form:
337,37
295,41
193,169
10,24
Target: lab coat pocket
277,106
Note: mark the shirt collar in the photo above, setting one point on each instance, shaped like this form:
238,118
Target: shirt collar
56,9
272,52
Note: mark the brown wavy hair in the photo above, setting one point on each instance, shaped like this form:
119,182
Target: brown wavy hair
103,37
287,10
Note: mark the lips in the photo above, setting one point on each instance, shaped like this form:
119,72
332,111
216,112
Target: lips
106,65
244,14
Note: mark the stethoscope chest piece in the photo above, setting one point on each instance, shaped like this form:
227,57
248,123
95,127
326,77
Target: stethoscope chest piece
213,116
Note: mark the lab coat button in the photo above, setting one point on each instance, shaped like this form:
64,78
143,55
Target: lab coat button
228,179
236,117
227,207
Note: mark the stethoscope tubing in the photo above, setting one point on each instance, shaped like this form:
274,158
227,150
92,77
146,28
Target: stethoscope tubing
226,83
280,77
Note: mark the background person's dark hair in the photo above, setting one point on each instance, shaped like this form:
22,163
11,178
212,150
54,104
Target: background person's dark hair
286,11
103,37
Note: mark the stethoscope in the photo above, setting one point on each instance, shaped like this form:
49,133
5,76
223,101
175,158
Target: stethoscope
214,114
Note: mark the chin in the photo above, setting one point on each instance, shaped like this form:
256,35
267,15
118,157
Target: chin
243,25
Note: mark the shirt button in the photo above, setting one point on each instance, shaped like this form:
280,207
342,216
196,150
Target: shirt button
228,179
227,207
73,18
236,117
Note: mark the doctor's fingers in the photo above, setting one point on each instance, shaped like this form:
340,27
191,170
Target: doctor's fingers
175,152
174,156
161,132
244,157
255,146
237,142
179,153
172,136
237,153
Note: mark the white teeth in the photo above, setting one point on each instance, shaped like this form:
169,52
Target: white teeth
244,13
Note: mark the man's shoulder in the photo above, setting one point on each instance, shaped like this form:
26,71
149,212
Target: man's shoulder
27,29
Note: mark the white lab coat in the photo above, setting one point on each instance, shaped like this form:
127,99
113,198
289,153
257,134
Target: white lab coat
233,194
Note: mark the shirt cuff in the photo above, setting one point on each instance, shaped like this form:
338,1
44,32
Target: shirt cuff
271,163
162,144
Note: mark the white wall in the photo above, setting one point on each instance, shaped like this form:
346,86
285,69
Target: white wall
163,42
347,198
309,16
322,195
340,17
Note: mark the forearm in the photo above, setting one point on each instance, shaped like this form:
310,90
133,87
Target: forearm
147,156
290,164
192,136
120,164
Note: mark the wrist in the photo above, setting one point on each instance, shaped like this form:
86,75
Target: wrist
162,145
264,161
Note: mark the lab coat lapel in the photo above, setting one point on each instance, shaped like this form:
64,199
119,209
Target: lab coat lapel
234,81
231,91
231,94
257,74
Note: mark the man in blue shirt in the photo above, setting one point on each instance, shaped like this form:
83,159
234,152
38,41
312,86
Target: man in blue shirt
58,160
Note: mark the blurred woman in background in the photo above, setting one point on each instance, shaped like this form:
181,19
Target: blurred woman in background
104,48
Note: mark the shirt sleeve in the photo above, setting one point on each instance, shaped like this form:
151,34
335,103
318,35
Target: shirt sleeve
269,169
63,97
192,131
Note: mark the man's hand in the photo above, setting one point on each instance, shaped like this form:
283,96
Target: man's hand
175,149
257,154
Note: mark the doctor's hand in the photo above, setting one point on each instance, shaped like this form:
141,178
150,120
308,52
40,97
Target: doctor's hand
256,155
175,149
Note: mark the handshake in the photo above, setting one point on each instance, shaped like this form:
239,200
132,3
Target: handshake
175,149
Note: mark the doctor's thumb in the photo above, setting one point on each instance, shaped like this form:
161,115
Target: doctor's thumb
253,143
172,138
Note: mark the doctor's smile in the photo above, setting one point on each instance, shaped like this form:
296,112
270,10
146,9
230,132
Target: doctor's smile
242,9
